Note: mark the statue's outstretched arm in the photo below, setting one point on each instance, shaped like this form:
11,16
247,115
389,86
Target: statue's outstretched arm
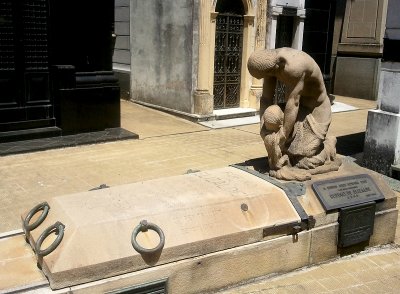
268,91
291,109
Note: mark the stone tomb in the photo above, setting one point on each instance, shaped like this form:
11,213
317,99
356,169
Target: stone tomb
221,227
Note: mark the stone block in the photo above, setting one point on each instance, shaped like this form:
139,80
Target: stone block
245,263
389,87
163,53
382,143
203,103
312,205
324,243
384,227
199,213
122,14
214,271
363,74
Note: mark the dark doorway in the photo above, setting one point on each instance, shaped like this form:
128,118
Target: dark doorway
228,53
284,38
318,34
25,100
55,68
284,31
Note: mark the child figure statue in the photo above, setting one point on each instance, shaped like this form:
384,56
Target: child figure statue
296,138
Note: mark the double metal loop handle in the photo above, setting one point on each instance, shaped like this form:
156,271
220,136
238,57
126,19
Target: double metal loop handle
30,227
58,229
144,226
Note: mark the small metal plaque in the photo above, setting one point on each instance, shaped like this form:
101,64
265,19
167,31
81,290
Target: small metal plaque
347,191
356,224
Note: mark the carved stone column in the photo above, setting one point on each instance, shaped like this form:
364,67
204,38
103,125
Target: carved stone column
260,42
299,29
203,100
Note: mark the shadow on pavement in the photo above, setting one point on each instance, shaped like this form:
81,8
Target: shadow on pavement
346,145
350,144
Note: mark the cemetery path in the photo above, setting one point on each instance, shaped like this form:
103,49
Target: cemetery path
168,146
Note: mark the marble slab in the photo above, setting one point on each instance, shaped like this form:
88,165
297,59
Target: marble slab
199,213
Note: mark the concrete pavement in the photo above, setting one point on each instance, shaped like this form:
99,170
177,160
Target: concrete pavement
171,146
375,271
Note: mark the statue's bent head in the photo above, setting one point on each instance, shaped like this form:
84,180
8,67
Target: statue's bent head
262,63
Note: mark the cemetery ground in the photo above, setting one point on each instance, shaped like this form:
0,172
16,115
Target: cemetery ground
169,145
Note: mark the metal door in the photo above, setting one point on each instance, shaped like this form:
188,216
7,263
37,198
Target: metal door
318,34
284,38
24,65
228,59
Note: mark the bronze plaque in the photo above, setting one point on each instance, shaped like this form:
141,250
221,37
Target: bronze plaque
356,224
347,191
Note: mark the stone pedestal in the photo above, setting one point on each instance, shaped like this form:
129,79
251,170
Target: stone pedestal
382,137
203,103
221,227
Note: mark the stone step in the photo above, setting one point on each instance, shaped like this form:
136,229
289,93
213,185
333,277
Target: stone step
233,122
229,113
29,134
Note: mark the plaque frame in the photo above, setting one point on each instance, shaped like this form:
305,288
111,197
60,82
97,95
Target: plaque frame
347,191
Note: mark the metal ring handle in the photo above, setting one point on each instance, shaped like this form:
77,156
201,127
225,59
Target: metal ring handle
58,228
44,206
144,226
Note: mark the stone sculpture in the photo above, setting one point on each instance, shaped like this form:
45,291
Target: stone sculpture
296,137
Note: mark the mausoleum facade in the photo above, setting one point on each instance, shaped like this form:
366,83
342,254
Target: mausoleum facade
56,73
189,57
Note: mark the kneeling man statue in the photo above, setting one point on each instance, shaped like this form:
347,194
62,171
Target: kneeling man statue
295,138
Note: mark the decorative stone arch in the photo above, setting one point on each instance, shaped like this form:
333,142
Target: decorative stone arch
203,96
248,6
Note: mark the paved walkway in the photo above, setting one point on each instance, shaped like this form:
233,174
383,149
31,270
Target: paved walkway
167,146
171,146
375,271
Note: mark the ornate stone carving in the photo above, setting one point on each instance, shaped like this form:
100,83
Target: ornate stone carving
296,137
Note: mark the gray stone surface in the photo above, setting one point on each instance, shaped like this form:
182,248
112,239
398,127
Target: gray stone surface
389,87
381,147
382,140
122,52
161,46
393,21
356,77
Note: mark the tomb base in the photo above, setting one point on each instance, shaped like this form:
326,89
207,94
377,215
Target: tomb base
217,228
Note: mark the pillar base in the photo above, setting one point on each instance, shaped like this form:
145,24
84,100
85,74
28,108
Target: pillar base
254,97
203,103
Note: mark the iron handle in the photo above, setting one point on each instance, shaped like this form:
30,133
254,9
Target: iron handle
44,206
58,229
144,226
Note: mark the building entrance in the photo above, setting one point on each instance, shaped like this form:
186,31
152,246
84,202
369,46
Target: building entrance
318,35
228,54
284,38
24,65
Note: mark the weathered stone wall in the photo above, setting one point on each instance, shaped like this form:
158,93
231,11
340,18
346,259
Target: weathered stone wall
162,70
121,57
358,45
122,51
